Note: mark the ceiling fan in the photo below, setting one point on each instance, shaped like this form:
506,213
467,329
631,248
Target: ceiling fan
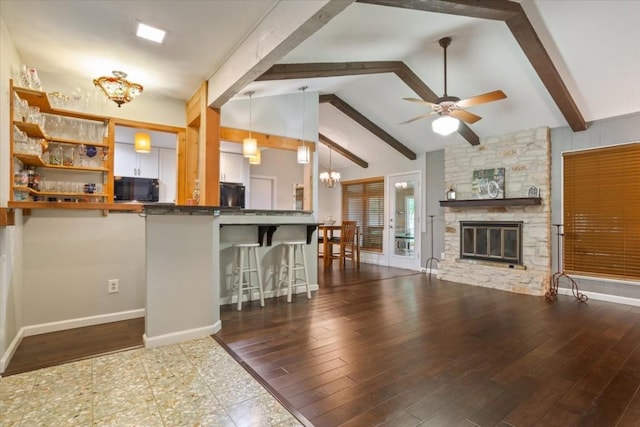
450,108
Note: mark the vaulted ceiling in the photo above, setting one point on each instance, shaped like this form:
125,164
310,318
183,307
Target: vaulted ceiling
563,62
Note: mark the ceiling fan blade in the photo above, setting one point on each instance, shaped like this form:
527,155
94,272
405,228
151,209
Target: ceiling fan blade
419,101
422,116
481,99
465,116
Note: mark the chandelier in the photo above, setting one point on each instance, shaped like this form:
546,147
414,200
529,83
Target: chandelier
330,179
118,88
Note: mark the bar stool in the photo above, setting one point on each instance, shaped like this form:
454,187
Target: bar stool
289,265
243,252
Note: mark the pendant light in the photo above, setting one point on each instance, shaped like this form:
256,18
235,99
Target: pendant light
303,150
142,142
249,145
255,160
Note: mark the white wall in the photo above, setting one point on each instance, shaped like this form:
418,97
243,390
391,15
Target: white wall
11,283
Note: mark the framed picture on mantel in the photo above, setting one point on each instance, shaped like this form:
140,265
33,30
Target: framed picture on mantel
488,183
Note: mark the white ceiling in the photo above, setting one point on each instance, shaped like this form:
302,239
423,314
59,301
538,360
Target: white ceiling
595,46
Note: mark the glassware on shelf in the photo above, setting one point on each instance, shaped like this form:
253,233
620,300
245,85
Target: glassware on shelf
82,152
55,154
33,115
68,156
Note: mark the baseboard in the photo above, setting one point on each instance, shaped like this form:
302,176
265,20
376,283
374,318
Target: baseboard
6,357
182,336
267,294
80,322
603,297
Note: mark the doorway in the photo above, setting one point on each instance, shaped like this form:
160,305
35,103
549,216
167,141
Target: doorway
263,192
404,221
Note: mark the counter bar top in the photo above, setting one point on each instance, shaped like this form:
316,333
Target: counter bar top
173,209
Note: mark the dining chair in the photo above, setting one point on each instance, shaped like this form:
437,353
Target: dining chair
345,242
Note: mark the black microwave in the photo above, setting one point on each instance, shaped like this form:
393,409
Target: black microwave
127,189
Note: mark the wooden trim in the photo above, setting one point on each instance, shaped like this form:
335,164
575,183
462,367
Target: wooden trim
78,206
210,169
7,217
144,125
363,181
477,203
264,139
359,118
343,151
516,19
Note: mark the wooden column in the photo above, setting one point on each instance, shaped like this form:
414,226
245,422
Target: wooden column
199,156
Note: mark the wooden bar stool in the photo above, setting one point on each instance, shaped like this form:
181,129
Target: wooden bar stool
243,253
290,264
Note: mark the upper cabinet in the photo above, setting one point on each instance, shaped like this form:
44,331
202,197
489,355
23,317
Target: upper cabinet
140,165
231,167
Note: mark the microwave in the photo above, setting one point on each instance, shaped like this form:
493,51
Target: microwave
127,189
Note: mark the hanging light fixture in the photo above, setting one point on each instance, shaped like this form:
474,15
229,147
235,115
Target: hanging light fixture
445,125
249,145
330,179
255,160
118,88
303,150
142,142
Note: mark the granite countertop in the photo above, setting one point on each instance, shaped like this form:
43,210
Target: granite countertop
173,209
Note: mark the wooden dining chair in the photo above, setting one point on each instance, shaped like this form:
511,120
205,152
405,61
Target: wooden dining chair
346,243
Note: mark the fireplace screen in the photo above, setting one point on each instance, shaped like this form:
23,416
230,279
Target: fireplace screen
491,241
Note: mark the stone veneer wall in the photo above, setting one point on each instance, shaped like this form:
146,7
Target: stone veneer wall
526,157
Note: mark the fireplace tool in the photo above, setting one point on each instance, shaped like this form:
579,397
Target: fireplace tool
552,293
432,259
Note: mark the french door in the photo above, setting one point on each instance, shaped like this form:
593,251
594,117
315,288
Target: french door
404,207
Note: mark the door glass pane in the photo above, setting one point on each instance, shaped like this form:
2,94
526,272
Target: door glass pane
404,218
495,242
511,244
481,241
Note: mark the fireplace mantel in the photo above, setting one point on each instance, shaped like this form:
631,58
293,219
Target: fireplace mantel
479,203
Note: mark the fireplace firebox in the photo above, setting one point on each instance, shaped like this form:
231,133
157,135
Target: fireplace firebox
491,241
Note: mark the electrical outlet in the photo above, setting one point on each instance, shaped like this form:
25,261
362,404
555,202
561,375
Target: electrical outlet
113,286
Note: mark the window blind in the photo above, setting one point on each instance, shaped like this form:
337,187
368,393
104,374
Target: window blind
602,212
363,201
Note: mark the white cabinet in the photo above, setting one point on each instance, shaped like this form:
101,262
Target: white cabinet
127,162
167,175
231,167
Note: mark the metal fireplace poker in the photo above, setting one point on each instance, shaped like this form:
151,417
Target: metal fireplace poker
552,293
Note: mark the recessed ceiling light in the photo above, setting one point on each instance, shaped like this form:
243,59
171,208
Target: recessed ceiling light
150,33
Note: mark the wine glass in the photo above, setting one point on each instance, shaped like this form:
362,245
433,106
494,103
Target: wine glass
82,151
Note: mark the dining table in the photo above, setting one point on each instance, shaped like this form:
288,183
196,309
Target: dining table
327,231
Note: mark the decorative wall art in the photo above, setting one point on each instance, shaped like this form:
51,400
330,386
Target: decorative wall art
488,184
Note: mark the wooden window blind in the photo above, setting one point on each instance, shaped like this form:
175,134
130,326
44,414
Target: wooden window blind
363,201
602,212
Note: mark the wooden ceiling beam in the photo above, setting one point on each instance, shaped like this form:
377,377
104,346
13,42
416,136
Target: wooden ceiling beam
518,23
342,151
357,117
327,69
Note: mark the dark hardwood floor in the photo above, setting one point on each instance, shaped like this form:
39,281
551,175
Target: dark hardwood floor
388,347
54,348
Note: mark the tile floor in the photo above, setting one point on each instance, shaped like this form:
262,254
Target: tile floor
191,384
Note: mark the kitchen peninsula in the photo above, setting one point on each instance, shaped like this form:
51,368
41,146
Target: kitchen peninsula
189,255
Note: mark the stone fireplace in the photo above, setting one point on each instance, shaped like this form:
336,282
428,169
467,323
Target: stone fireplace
500,245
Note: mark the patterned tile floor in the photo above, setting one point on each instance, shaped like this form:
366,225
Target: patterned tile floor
191,384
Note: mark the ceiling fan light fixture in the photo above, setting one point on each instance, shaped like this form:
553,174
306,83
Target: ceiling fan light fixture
445,125
118,88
